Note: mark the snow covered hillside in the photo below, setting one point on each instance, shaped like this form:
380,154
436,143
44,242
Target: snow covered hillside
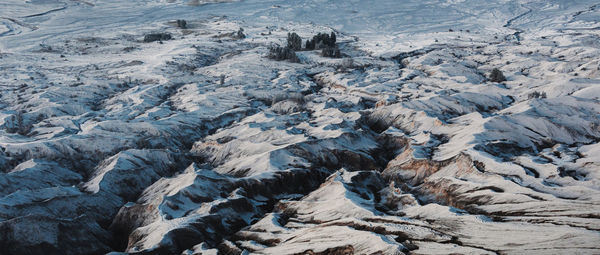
163,127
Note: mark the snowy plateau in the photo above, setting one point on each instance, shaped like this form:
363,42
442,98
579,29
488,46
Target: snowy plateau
175,127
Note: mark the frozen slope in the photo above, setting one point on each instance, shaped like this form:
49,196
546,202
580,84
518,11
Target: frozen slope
201,145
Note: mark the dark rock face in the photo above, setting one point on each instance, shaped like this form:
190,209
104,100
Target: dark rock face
44,235
234,200
157,37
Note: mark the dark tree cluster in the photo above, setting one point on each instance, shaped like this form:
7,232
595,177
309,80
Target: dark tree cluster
294,41
321,41
326,43
283,53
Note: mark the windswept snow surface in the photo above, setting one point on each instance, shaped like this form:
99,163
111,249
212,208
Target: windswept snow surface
202,145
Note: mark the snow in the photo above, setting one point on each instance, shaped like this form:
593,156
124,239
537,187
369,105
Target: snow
202,145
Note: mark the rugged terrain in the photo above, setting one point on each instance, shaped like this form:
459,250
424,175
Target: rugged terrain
202,145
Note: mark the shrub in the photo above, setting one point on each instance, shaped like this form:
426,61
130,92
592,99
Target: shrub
234,35
157,37
333,37
240,34
222,80
497,76
18,125
181,23
282,53
536,94
310,45
294,41
331,52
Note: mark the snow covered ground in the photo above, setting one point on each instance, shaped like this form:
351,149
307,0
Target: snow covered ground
202,145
